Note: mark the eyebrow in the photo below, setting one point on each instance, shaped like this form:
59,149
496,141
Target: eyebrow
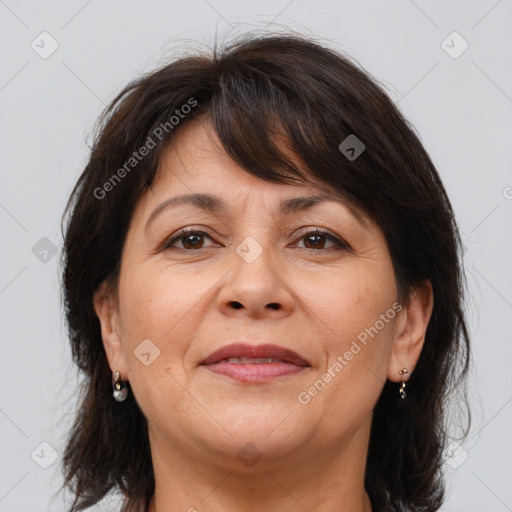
214,204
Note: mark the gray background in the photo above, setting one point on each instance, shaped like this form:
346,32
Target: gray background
49,106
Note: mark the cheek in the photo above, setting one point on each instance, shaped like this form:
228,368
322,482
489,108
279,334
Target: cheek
354,302
155,312
156,303
357,326
158,318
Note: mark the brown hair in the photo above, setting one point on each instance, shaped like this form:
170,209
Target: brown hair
252,90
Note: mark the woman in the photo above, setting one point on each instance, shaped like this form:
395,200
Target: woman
263,290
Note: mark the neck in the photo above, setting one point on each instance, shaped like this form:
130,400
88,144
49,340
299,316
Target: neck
318,478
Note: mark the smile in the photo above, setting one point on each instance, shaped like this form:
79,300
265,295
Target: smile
254,363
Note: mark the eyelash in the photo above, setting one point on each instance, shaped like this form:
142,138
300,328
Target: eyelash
184,232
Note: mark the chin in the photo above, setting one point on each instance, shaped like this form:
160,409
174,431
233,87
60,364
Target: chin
259,433
243,453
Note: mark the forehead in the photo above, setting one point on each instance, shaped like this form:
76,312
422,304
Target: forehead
197,152
196,157
195,169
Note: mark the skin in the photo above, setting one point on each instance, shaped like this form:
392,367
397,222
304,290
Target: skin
306,456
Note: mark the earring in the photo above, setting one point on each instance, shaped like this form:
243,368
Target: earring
119,390
402,389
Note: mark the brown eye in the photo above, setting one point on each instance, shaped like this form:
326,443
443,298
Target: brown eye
194,241
317,239
190,240
314,241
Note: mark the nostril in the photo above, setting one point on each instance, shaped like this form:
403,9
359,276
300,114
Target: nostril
272,305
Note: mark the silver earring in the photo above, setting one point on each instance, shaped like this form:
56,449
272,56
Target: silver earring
402,389
119,390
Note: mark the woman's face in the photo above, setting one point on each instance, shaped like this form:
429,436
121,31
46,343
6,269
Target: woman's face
252,271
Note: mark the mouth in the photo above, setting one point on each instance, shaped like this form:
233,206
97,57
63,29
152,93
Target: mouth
249,363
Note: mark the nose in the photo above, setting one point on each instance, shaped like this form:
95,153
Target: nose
255,289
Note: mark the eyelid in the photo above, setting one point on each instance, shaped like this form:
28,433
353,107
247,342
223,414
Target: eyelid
339,241
308,230
182,233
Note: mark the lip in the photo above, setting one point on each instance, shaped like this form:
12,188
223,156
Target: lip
254,351
290,362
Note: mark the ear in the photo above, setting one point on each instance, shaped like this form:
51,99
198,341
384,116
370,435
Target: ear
105,306
411,328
